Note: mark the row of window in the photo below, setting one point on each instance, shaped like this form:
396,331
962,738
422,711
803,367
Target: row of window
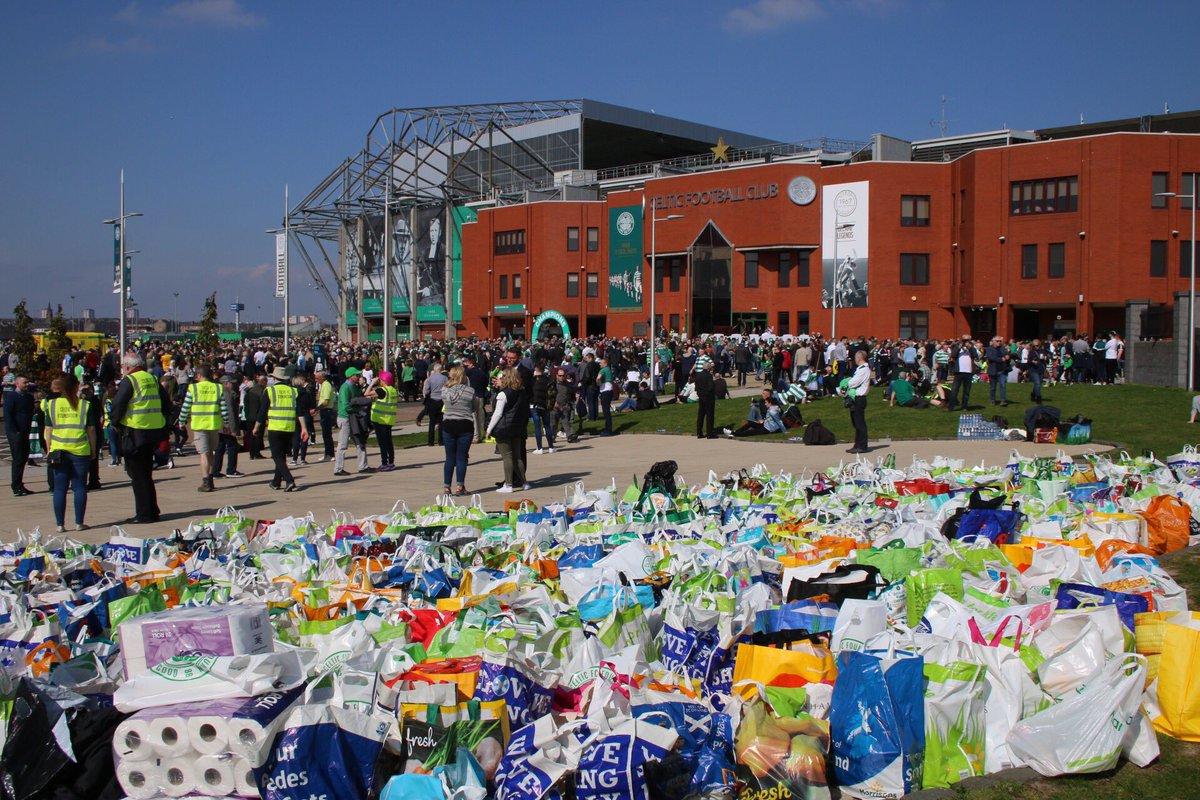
1056,260
1160,184
509,242
786,263
593,284
1158,258
516,287
593,240
1044,196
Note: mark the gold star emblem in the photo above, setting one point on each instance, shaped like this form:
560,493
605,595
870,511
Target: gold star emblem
720,150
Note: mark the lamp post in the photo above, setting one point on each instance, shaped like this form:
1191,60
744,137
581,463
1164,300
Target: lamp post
842,226
654,220
122,286
175,317
1191,339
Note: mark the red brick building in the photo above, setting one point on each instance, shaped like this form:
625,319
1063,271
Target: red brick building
1022,240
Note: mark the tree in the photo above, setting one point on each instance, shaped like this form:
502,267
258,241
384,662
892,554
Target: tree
23,342
207,337
58,343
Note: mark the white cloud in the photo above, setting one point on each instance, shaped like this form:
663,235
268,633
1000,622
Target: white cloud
192,13
256,272
765,15
108,45
212,13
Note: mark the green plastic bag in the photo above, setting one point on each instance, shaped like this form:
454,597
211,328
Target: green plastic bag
147,601
923,584
954,722
893,563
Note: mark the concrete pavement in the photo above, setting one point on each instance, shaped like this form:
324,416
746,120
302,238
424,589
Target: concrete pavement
418,478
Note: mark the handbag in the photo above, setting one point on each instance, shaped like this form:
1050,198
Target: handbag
56,459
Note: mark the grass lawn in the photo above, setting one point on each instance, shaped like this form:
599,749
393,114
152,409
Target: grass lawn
1134,417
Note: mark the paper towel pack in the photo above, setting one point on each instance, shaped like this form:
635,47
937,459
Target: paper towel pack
149,640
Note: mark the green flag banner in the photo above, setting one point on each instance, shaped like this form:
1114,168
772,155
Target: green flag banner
625,257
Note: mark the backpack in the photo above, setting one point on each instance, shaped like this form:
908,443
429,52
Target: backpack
816,433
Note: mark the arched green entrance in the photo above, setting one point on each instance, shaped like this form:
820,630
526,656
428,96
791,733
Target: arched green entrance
554,317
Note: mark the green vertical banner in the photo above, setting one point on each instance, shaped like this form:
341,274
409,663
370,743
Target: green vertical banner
625,257
459,216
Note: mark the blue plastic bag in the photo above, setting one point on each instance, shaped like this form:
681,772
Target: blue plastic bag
581,556
877,724
322,750
809,615
1080,595
994,524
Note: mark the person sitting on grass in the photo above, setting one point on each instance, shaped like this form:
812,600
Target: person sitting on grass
941,395
1195,408
765,417
903,393
646,399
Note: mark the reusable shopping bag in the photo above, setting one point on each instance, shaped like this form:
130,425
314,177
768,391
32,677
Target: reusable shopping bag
1168,524
1089,729
772,666
781,753
1178,690
955,729
877,725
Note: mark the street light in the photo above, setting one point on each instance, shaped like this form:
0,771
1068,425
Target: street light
843,226
654,220
1191,339
119,221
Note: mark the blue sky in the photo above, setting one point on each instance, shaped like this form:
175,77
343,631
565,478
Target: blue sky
212,105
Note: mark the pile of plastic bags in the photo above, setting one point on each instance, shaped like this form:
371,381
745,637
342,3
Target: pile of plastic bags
761,635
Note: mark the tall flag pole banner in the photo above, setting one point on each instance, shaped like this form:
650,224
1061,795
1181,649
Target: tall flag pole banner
116,258
625,257
281,265
845,228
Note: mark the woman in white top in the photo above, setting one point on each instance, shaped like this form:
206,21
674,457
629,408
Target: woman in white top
858,388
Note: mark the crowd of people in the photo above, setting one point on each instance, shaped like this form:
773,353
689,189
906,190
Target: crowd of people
241,399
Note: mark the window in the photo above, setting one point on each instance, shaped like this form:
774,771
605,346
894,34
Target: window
914,211
1185,258
572,240
1043,196
785,323
751,277
802,268
785,270
660,272
801,322
1186,182
572,285
503,287
1056,260
674,322
914,324
509,242
593,241
516,286
1158,185
593,284
676,273
914,269
1029,261
962,205
1158,258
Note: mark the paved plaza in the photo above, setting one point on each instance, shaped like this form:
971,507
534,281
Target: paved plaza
418,478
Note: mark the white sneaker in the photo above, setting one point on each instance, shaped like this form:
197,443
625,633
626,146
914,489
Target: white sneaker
171,464
726,431
537,452
505,489
526,488
549,449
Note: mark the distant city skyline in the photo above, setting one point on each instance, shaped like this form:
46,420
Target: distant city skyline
211,106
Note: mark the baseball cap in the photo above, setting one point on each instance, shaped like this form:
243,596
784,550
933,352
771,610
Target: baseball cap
352,371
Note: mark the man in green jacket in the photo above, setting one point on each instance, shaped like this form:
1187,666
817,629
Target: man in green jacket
350,390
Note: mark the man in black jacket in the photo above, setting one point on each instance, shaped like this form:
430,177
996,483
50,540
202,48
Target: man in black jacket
19,407
706,394
963,358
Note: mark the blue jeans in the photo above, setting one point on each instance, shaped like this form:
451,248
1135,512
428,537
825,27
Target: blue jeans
458,449
114,444
541,423
75,473
1035,377
999,386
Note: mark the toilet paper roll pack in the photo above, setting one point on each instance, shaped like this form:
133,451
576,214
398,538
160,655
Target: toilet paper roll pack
234,630
187,678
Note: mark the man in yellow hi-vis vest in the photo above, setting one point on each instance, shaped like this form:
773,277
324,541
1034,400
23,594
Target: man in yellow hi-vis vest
280,418
139,409
383,417
204,405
